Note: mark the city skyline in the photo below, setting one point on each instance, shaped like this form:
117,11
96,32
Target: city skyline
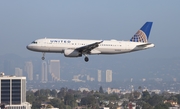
67,69
75,73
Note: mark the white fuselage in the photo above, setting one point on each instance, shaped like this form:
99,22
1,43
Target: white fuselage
106,47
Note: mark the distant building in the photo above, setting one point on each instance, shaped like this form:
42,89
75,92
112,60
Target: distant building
44,76
13,92
108,75
173,103
111,90
55,69
18,72
92,79
76,78
99,76
105,108
84,89
29,70
176,107
132,105
88,78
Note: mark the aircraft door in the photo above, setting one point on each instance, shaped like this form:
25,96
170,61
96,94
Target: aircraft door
44,45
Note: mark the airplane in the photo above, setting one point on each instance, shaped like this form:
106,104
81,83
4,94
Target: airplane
78,47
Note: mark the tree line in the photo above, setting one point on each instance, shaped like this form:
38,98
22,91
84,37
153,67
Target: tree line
70,99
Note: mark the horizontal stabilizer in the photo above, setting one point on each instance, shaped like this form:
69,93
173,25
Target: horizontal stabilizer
144,45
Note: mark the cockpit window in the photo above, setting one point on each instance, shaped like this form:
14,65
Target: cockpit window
34,42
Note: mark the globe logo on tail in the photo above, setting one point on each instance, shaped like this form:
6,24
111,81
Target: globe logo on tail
140,36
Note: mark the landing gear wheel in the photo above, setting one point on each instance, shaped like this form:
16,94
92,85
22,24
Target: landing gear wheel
86,59
43,58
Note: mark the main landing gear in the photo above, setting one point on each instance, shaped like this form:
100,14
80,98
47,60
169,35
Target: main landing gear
43,57
86,59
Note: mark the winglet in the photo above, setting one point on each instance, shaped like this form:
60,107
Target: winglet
142,35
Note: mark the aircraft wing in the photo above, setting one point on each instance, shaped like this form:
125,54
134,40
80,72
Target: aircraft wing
144,45
88,48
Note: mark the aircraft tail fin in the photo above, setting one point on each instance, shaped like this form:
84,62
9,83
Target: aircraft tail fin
142,35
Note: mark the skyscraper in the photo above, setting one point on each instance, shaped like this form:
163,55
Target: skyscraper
55,69
44,75
29,70
99,76
108,75
18,72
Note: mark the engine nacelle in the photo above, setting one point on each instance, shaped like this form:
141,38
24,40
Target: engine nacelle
71,53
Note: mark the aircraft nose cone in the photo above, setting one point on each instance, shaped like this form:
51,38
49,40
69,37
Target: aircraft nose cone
27,47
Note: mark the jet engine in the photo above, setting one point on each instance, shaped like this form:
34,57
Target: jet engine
71,53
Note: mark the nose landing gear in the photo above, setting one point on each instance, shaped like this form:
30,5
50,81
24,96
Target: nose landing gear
43,57
86,59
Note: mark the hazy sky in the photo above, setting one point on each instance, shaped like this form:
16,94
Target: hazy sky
21,22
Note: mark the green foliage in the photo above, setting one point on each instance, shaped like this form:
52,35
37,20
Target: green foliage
36,104
62,106
168,104
112,106
178,98
127,95
173,98
112,97
55,102
155,100
136,94
62,93
89,100
161,106
66,99
147,106
125,103
138,108
53,93
101,90
30,97
69,100
145,95
166,95
77,96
